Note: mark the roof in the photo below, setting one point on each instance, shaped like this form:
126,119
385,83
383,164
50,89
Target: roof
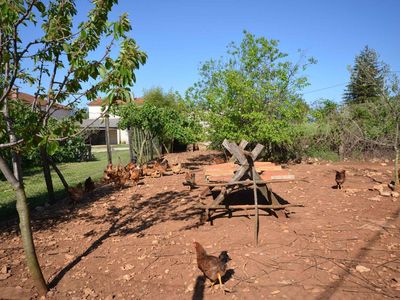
99,101
99,123
29,99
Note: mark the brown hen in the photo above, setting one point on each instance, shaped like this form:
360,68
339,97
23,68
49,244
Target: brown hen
212,267
340,178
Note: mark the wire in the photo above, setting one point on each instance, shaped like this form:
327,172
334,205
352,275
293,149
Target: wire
325,88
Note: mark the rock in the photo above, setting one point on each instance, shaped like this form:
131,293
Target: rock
384,193
5,269
377,198
362,269
4,276
275,292
285,282
351,191
378,187
394,194
190,288
89,292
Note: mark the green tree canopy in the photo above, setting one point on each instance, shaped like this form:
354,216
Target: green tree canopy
367,79
253,93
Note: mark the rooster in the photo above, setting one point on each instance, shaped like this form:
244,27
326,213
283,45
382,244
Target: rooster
212,267
340,178
89,185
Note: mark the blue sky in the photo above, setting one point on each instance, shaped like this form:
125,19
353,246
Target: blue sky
179,35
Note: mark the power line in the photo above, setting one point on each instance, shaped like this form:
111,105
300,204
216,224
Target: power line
325,88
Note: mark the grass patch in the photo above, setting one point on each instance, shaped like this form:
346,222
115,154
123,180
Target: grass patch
323,154
35,186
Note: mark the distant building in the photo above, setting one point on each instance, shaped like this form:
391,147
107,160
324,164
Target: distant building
97,125
57,111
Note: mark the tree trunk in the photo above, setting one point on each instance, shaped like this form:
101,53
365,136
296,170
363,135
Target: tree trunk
60,175
131,153
47,175
25,228
107,123
396,160
166,148
140,158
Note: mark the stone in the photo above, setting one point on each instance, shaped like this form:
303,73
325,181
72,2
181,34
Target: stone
362,269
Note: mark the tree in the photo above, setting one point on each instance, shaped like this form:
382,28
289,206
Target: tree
159,98
366,79
167,123
379,123
64,66
253,94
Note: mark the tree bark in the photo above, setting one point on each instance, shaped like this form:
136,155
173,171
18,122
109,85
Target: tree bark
47,175
107,123
396,160
25,228
131,153
60,175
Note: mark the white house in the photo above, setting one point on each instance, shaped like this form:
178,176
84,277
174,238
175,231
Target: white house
117,136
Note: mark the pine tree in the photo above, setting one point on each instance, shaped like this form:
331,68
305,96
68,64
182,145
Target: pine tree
367,78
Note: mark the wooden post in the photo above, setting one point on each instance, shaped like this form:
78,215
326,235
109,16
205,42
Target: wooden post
256,224
107,123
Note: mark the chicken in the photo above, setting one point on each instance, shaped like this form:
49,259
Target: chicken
122,176
340,178
190,179
89,185
130,166
155,174
161,167
176,169
147,171
76,193
212,267
109,173
134,175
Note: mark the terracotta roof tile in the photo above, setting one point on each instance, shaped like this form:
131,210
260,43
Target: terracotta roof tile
29,99
99,101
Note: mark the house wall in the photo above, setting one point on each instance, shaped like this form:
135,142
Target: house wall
123,136
95,112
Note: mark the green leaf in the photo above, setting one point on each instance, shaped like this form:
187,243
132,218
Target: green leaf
52,147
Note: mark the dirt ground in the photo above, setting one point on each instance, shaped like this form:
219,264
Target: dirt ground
137,243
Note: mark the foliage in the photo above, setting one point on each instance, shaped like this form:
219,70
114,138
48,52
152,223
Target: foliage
59,62
253,94
164,122
157,97
367,78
